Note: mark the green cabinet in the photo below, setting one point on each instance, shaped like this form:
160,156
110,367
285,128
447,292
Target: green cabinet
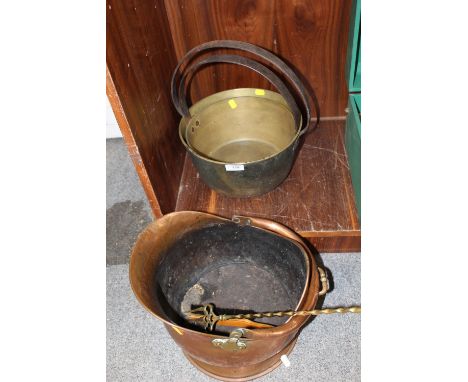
353,120
353,62
353,146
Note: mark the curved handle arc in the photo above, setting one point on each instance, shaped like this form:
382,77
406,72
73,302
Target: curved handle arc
242,61
260,52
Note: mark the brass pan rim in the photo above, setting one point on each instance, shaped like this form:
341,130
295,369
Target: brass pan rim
232,94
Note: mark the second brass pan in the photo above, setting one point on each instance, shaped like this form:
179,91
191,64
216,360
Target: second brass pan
242,141
258,134
239,126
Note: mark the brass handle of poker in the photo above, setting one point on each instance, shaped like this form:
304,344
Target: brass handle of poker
210,318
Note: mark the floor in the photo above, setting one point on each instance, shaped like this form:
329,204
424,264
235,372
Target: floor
138,347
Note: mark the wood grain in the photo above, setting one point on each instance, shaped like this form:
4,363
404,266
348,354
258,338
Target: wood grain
140,59
336,244
132,147
311,35
145,40
316,200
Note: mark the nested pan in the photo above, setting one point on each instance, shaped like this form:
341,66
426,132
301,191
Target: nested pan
242,141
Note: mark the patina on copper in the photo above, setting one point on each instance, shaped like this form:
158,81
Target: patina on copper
177,262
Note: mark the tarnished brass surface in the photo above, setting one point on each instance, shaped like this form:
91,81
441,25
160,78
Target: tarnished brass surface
257,128
233,343
324,281
258,133
210,319
264,346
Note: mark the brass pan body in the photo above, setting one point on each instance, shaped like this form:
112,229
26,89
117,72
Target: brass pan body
251,128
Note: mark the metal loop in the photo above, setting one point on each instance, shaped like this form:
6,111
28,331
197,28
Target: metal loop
243,61
260,52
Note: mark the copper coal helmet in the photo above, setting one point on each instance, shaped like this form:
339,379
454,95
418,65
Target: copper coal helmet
189,259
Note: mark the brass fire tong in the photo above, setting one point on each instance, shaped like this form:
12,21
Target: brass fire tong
210,318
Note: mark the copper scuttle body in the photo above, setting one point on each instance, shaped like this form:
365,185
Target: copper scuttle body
188,259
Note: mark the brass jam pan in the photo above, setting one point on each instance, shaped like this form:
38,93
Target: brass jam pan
242,141
239,126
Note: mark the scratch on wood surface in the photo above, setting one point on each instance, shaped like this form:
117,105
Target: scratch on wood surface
283,200
134,153
308,216
323,148
350,203
280,189
282,209
319,173
338,156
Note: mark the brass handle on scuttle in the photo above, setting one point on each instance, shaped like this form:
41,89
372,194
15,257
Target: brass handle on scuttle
234,342
324,281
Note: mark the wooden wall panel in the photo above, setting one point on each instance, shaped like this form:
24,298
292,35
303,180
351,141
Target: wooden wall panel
140,59
194,22
314,38
309,34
